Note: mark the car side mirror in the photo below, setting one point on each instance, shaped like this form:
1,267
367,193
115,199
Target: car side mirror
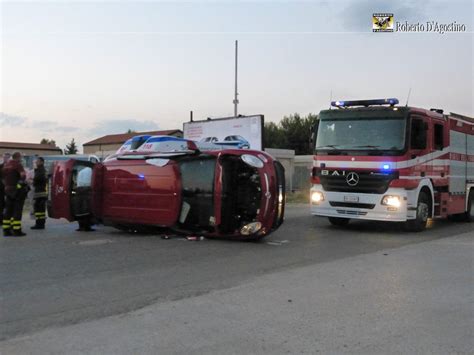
313,131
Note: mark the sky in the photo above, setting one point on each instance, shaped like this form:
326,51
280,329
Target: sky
84,69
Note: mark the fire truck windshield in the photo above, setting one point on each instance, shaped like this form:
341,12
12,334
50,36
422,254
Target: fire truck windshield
361,134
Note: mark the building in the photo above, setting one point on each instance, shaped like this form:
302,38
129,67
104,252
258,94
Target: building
29,149
109,144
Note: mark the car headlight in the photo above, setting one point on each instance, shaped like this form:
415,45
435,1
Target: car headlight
391,200
252,160
251,228
317,196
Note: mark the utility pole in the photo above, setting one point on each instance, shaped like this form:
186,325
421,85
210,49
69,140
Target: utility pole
236,100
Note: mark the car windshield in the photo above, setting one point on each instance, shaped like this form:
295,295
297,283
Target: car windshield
361,134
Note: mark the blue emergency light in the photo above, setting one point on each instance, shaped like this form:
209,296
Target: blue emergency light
386,166
366,103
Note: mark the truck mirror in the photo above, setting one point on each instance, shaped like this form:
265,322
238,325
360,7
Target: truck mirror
313,131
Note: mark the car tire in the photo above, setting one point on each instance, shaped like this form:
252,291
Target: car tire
422,214
336,221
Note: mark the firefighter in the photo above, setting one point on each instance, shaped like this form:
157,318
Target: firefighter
40,196
6,158
15,191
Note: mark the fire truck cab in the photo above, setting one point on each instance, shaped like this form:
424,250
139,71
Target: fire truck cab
376,160
225,193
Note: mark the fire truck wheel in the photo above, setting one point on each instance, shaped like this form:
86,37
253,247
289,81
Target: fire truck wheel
422,214
336,221
468,216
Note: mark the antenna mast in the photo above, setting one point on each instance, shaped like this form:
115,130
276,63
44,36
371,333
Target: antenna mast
408,97
236,100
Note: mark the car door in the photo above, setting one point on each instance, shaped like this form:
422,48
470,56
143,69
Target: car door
71,188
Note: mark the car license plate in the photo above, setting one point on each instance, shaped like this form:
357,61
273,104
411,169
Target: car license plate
351,198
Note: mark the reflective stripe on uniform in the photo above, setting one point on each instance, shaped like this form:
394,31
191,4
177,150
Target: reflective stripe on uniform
16,225
6,224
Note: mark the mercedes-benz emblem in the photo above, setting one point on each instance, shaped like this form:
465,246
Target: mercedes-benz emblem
352,179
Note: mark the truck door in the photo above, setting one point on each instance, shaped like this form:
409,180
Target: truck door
71,189
420,144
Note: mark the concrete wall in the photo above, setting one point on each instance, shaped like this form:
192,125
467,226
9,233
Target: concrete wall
286,158
303,166
297,168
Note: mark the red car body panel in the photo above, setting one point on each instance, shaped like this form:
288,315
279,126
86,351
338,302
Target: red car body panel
140,192
129,191
60,190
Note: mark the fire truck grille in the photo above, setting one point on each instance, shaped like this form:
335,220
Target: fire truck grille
368,206
352,213
369,183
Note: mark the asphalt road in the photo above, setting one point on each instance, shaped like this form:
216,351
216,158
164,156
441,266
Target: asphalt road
59,277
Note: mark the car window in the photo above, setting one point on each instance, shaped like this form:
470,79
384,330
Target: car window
84,176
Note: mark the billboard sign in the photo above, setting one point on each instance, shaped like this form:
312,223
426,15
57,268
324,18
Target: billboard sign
244,132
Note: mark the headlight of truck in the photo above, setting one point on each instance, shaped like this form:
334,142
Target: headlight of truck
252,160
391,200
251,228
317,197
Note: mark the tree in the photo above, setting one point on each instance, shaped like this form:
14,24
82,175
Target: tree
48,141
71,148
292,132
274,137
131,131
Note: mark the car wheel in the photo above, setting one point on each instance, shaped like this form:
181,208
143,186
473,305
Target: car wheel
422,214
336,221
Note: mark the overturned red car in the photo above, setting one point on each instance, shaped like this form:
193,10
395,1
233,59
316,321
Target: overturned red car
216,193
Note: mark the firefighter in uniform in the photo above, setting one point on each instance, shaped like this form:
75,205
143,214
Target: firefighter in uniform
40,194
6,157
15,191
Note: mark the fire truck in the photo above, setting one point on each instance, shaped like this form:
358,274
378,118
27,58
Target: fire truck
168,184
377,160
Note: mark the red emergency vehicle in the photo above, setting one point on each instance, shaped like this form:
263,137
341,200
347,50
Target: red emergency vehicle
377,160
221,193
